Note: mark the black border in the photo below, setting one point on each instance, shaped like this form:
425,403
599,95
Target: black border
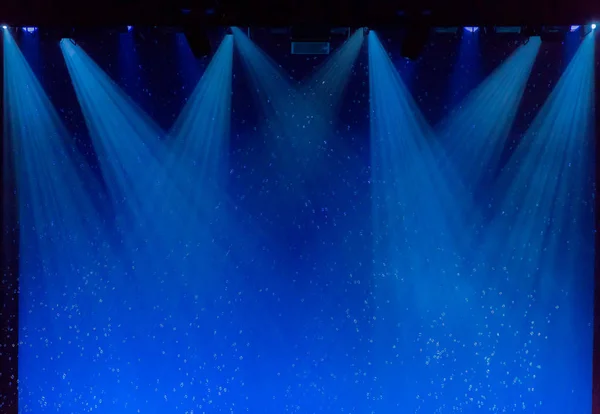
9,283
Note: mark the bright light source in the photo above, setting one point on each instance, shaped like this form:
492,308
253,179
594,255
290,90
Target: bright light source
5,27
129,28
471,29
594,26
29,29
574,28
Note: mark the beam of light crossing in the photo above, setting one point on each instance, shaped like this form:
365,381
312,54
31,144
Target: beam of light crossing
65,252
419,281
125,139
274,89
544,181
151,177
541,239
327,85
165,197
297,134
294,148
298,113
133,159
128,142
475,133
177,261
408,133
198,152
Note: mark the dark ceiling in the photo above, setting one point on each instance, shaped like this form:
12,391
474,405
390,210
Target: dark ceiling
288,12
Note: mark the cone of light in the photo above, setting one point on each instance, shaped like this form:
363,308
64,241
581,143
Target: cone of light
133,162
475,133
420,282
298,116
539,247
542,187
179,265
126,140
201,132
64,244
398,134
274,90
326,87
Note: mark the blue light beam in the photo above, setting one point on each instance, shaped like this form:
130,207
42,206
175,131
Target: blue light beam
327,85
542,234
180,268
423,291
272,86
127,141
288,122
416,202
544,181
297,128
63,244
150,177
201,133
475,133
133,159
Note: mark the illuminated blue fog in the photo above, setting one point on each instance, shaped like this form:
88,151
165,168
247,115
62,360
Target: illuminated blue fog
302,234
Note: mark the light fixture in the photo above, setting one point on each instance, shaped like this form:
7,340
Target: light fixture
446,30
508,29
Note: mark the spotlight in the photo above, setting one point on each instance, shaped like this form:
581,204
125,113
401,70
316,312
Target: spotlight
574,28
593,26
5,27
29,29
471,29
129,28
